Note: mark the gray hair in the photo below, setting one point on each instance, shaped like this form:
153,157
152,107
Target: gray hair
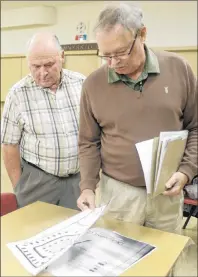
58,43
126,14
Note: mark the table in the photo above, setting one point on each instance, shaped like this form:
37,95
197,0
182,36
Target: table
34,218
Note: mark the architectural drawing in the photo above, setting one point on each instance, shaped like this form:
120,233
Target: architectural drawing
100,252
39,251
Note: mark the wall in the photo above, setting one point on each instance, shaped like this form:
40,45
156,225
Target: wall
67,19
170,24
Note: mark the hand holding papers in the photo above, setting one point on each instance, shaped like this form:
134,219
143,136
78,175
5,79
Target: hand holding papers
160,158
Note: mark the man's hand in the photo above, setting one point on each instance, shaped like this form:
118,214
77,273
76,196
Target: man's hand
86,200
175,184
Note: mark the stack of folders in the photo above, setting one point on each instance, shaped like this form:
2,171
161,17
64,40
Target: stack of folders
160,158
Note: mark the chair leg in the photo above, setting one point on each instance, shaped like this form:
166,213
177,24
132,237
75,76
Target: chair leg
192,209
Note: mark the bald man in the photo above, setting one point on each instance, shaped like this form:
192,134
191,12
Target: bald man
40,128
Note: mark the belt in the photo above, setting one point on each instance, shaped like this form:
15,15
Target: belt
31,164
35,166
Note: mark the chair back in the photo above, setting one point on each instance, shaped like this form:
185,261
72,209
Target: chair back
8,203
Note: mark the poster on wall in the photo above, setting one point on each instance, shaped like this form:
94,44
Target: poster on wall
81,31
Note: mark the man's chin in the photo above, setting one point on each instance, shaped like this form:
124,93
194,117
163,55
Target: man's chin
45,84
120,70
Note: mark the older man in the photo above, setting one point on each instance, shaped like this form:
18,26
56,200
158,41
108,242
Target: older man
135,96
40,128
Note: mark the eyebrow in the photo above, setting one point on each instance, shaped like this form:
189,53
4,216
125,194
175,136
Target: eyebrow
34,64
121,49
48,63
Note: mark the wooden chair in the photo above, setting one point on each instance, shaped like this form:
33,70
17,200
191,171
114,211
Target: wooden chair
8,203
193,203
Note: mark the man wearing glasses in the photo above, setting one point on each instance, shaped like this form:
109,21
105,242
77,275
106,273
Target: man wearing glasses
137,94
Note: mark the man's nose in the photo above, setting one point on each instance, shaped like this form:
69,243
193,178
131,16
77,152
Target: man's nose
43,71
113,61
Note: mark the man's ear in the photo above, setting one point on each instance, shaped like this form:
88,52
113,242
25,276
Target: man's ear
63,57
143,33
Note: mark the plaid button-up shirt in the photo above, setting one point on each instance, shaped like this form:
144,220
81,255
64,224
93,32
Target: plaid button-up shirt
45,124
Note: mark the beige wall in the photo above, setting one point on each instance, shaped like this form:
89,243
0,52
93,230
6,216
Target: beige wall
170,23
65,28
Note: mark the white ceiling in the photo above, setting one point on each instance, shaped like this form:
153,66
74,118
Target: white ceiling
7,5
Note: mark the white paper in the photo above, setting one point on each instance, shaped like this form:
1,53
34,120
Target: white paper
165,138
144,149
164,146
37,252
182,134
100,252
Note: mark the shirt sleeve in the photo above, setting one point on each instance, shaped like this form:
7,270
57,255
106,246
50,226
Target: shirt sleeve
10,123
189,162
89,145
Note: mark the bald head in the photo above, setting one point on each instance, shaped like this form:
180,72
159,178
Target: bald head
45,59
43,43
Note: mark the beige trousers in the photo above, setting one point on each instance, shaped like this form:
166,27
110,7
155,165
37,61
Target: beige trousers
132,204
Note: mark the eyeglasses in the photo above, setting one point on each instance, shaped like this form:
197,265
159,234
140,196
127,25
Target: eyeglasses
120,55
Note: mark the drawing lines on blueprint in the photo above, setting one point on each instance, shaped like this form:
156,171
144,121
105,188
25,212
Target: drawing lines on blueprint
41,250
96,254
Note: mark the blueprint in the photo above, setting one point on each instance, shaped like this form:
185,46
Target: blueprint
100,252
38,252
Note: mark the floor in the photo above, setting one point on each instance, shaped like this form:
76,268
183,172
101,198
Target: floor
191,229
189,266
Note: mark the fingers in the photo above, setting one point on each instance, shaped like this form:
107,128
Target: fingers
171,182
174,185
92,203
85,202
175,190
82,205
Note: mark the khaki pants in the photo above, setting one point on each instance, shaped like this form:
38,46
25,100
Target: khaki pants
132,204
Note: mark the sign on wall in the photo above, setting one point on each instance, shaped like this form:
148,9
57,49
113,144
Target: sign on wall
81,31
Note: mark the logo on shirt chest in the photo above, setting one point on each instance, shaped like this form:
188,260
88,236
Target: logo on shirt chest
166,89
